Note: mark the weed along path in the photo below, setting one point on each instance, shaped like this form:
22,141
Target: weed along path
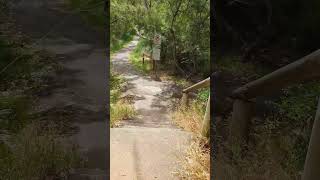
148,146
77,94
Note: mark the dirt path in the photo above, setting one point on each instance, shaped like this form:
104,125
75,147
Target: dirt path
80,87
149,146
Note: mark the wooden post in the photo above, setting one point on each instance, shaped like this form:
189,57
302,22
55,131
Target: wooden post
205,129
241,115
312,163
185,100
143,58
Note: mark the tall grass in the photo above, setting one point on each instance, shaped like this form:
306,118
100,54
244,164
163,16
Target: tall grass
121,111
196,163
119,108
37,154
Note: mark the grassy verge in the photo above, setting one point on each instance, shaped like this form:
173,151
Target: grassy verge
196,164
136,58
117,44
36,154
119,108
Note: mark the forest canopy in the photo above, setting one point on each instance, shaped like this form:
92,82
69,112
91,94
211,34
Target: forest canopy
183,24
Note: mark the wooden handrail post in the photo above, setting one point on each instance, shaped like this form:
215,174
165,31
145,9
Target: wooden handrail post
205,129
312,163
143,58
185,100
241,115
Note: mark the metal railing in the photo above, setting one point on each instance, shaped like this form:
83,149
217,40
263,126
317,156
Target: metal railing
205,128
304,69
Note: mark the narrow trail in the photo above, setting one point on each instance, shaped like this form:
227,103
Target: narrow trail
79,89
148,146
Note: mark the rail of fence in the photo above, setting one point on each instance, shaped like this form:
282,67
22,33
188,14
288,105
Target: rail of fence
185,103
300,71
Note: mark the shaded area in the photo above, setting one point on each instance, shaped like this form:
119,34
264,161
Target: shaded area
80,86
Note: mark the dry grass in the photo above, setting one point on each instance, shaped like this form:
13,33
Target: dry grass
268,155
189,119
121,110
35,153
250,166
196,163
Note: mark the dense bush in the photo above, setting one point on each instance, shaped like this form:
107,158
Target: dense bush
184,26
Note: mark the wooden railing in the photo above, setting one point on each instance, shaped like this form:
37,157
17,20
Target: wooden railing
185,103
307,68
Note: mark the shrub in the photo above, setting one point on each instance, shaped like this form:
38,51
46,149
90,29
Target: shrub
121,111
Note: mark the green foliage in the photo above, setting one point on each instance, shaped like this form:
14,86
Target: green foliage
296,112
299,102
116,82
118,44
136,58
184,26
203,95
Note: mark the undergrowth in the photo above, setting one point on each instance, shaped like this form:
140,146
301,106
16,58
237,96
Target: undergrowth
236,67
119,108
117,44
278,141
36,154
136,58
196,163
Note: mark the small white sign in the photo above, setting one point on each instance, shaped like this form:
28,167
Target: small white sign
156,47
156,53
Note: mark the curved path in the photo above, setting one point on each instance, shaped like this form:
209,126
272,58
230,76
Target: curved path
79,89
148,146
